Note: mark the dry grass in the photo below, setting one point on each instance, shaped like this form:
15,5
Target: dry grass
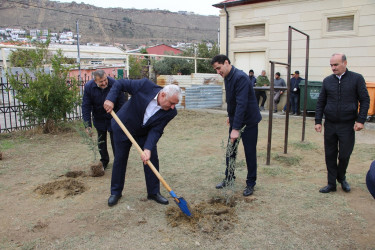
286,210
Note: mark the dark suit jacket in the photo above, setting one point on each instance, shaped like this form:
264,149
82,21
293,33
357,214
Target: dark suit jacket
92,103
242,105
132,112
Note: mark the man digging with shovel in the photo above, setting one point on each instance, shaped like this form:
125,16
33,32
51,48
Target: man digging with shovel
145,115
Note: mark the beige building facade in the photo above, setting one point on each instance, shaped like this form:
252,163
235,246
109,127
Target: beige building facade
258,32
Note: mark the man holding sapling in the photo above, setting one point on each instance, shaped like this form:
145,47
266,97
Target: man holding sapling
243,116
94,95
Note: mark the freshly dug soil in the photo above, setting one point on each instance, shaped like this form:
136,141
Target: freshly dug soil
213,217
70,187
75,174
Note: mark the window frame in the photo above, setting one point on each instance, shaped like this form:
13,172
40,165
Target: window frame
327,16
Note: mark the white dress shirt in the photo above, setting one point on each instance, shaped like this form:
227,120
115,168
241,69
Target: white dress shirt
151,109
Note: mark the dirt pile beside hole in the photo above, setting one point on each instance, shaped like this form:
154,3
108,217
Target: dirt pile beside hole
70,187
39,225
212,217
75,174
97,170
1,156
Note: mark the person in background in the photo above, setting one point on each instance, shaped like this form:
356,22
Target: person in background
252,78
262,81
278,82
94,94
370,179
294,92
242,111
338,102
146,114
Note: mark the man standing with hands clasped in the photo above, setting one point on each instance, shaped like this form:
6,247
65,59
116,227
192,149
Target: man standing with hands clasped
338,101
94,95
242,108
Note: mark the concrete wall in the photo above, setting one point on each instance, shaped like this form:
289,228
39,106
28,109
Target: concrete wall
309,16
185,81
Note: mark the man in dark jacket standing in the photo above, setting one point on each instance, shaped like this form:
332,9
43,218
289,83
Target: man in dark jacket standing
252,78
95,92
242,108
294,92
338,101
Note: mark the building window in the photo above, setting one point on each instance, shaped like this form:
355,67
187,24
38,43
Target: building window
96,62
250,30
342,23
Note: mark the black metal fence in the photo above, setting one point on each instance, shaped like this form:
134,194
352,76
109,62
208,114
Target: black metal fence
11,109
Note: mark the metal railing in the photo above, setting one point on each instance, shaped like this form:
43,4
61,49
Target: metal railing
11,109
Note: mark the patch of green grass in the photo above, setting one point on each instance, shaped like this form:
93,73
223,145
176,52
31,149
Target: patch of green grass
6,144
364,152
358,180
275,171
304,145
33,244
288,160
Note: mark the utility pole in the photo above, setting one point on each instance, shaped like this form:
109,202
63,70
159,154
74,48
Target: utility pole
78,58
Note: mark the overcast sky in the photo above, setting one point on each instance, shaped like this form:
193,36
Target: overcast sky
202,7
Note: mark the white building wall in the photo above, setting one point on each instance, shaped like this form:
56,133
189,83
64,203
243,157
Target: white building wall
309,16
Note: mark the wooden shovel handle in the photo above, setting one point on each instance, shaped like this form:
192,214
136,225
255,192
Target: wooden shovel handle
149,163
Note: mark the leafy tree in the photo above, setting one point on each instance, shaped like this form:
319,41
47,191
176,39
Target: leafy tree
30,57
137,67
203,51
171,66
48,96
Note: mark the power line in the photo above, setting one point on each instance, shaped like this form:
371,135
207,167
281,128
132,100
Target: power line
109,19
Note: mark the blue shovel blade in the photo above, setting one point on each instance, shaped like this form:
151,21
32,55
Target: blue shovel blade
183,206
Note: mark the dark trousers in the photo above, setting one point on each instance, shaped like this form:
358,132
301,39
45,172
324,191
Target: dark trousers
249,139
261,93
294,103
338,145
121,161
276,99
102,145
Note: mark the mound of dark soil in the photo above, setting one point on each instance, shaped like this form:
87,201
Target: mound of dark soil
75,174
97,169
70,187
1,156
212,217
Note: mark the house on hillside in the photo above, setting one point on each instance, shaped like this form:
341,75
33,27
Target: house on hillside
253,32
162,49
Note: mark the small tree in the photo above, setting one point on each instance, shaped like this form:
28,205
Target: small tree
171,66
137,66
48,96
203,51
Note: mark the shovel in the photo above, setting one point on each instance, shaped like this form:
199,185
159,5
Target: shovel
179,200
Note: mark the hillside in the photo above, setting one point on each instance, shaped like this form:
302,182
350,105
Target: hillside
109,25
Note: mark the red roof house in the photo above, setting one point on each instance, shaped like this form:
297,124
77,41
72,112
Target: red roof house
162,49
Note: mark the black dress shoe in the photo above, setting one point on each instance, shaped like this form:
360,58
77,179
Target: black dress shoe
224,183
345,186
113,199
221,185
328,189
248,191
158,198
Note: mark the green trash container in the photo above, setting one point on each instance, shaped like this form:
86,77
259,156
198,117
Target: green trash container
313,91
